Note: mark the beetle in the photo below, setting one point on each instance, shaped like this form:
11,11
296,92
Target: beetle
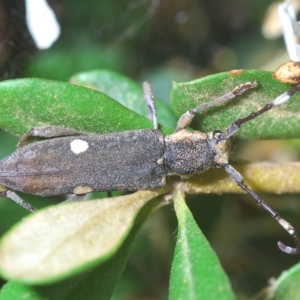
71,162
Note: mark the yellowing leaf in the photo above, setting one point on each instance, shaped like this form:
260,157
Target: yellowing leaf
57,241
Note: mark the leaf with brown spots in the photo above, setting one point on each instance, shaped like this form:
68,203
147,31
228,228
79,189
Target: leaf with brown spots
280,122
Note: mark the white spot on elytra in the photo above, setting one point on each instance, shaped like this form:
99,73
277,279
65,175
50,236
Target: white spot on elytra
79,146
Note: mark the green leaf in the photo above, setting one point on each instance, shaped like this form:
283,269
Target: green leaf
125,91
281,122
64,240
100,280
286,287
27,103
196,271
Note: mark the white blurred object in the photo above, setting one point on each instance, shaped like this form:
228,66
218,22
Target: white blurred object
41,23
291,30
281,19
272,27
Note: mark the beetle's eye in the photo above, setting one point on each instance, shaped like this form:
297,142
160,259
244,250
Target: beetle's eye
216,134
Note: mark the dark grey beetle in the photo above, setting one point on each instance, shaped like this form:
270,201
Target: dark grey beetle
75,163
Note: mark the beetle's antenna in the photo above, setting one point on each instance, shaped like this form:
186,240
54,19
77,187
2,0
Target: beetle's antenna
186,119
149,98
238,179
235,126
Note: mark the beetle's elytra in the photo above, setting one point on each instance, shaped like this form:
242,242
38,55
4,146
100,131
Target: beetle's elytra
129,160
71,162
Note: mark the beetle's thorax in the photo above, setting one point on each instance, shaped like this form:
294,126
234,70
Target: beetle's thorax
188,153
220,147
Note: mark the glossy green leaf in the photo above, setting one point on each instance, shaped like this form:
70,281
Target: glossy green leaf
286,287
63,240
100,280
125,91
27,103
196,271
281,122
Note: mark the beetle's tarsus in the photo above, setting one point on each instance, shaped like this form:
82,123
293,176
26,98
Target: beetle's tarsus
291,231
288,249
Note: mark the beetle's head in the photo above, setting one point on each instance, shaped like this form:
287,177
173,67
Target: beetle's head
220,146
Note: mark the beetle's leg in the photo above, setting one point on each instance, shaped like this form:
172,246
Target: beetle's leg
149,98
47,132
238,179
4,192
186,119
75,197
235,126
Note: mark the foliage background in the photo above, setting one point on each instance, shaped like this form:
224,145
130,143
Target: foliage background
164,41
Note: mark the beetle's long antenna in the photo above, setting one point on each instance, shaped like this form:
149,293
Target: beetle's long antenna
186,119
238,179
235,126
149,98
